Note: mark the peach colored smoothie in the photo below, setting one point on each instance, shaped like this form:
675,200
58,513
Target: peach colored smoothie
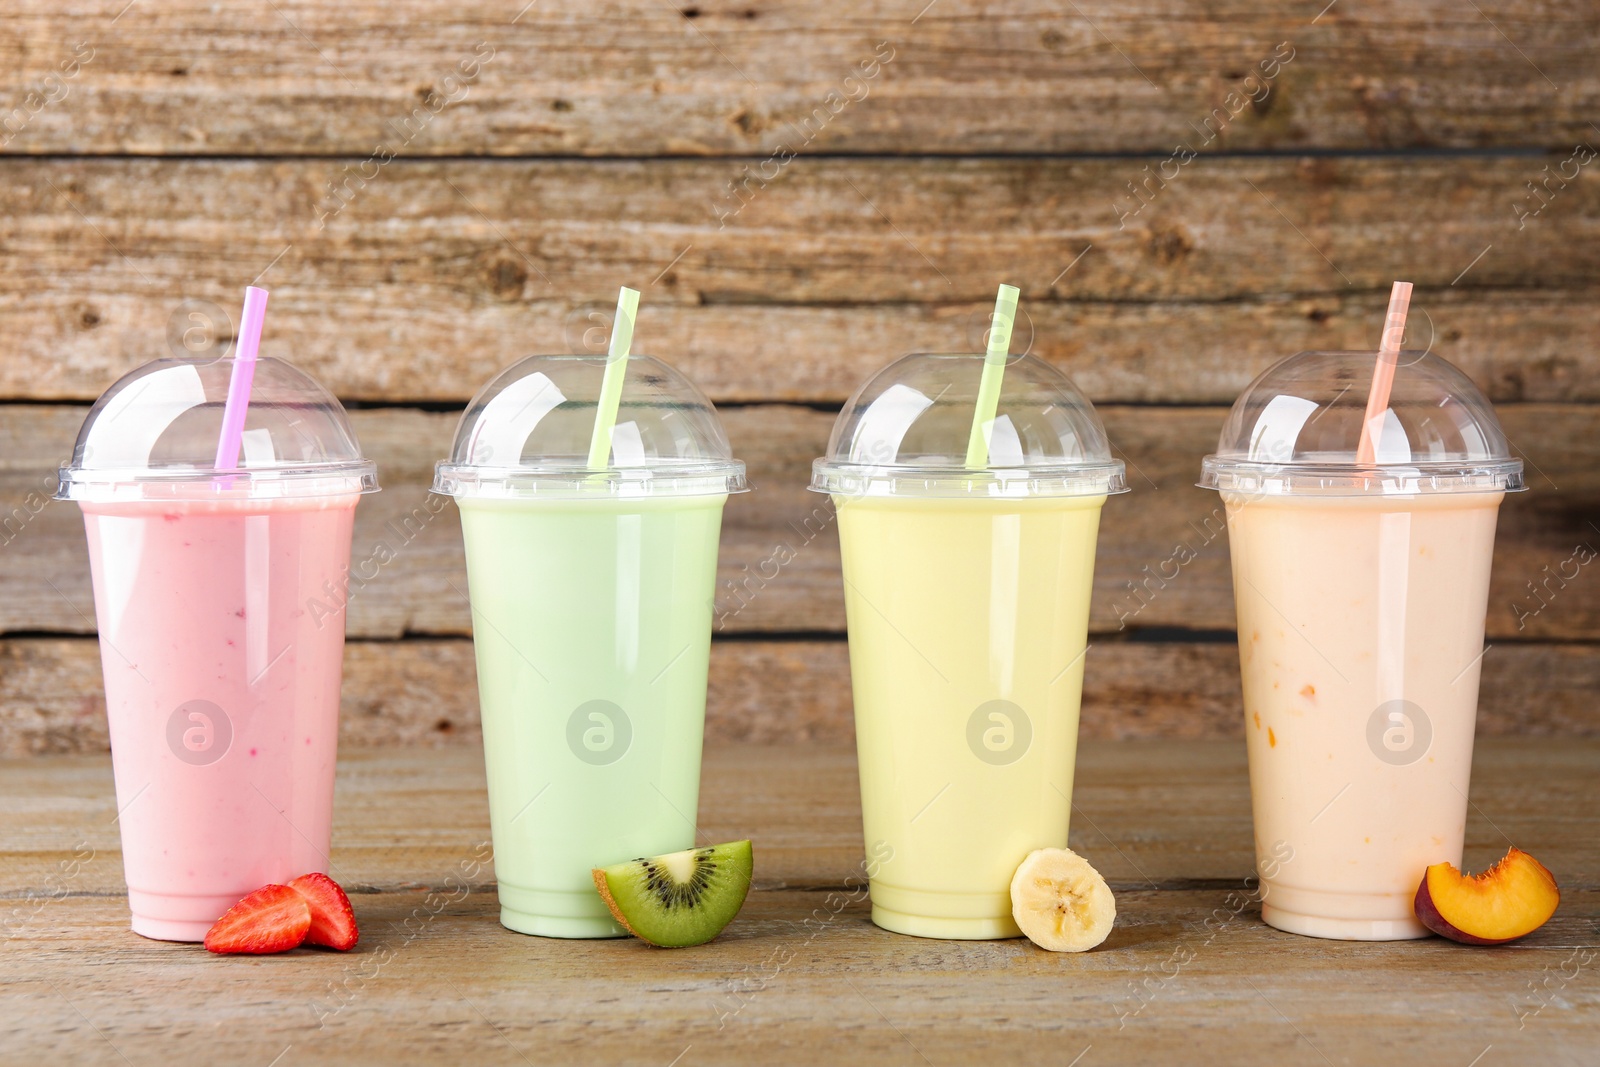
221,640
1360,681
1362,492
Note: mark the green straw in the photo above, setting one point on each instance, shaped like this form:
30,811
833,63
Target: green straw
605,414
994,368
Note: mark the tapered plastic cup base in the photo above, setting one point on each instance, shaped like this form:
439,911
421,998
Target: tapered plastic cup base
171,929
556,913
945,929
559,926
1343,929
943,913
178,916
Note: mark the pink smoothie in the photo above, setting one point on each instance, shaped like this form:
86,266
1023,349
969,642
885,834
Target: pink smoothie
221,640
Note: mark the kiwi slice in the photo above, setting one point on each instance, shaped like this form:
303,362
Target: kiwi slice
682,898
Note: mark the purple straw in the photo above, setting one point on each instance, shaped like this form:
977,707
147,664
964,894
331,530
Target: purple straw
244,372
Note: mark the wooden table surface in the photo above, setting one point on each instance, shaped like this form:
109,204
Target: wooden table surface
802,975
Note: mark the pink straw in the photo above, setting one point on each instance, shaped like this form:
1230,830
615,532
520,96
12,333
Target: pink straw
244,372
1394,328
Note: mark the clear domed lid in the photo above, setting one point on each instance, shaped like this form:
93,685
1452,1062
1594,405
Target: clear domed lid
905,433
154,434
527,433
1297,428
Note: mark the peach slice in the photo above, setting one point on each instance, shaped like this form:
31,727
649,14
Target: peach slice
1509,900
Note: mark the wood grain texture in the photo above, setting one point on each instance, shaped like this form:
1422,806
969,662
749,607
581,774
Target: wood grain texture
423,692
438,274
637,78
801,976
423,590
412,281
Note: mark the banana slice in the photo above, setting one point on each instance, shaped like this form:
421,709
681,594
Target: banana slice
1061,902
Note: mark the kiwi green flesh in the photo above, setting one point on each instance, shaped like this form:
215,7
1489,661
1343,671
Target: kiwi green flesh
654,903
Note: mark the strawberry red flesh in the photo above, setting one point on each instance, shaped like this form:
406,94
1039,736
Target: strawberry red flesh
333,923
274,918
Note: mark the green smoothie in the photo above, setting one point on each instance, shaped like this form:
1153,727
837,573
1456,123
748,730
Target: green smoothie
592,623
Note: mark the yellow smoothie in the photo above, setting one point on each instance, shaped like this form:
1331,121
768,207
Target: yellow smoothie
968,619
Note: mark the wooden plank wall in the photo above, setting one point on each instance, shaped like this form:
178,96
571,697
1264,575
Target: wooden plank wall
1185,192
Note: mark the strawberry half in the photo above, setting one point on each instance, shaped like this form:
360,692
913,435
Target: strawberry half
274,918
333,923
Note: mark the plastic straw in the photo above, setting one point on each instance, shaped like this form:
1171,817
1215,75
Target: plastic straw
244,373
1394,328
994,368
605,415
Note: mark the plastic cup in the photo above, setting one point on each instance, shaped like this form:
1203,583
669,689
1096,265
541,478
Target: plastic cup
1361,593
592,601
217,601
967,603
